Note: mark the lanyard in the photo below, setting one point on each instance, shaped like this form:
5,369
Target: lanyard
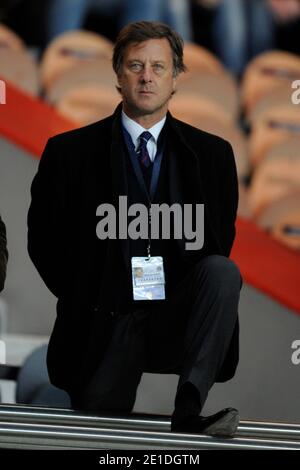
154,177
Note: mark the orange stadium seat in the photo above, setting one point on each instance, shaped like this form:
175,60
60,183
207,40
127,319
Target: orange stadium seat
88,103
70,49
275,123
19,68
243,207
191,108
265,73
199,59
282,220
277,176
98,73
10,40
220,90
280,96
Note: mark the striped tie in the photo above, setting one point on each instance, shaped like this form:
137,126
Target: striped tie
142,151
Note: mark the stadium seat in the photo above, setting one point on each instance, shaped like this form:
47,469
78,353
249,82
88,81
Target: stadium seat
88,103
19,68
70,49
277,176
276,123
243,207
10,40
191,107
218,89
282,220
266,72
97,73
280,96
199,59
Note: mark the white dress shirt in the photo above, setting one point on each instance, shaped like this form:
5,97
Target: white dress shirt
134,129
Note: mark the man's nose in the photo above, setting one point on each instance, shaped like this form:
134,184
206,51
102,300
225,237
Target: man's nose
146,74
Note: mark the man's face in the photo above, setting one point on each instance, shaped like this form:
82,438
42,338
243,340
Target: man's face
146,78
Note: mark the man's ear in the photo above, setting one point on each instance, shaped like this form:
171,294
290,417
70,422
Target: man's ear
119,80
119,83
174,83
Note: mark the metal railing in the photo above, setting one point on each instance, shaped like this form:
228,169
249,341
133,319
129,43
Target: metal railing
37,427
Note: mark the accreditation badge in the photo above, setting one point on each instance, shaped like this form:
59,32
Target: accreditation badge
148,278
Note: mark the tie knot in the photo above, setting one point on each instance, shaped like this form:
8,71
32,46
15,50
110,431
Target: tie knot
145,136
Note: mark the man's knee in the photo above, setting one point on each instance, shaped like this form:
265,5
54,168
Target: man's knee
221,272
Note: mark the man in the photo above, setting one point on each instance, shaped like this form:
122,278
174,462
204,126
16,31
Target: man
104,338
3,254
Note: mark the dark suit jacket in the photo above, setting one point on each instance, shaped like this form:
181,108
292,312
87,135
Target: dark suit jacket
3,254
78,171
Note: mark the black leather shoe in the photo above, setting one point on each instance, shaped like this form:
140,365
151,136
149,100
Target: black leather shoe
222,424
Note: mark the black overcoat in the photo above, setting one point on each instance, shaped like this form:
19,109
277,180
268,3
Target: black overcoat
78,171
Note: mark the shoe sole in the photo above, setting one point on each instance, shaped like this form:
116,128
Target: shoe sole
225,426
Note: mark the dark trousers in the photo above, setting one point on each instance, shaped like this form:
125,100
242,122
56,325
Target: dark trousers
188,334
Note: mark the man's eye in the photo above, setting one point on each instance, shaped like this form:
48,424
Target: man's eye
135,66
158,66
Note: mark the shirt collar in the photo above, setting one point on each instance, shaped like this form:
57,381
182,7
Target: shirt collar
135,129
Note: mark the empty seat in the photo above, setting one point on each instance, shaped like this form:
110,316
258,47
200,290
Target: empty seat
88,103
282,220
190,108
280,96
199,59
19,68
265,73
99,72
274,124
220,90
243,207
277,176
10,40
70,49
